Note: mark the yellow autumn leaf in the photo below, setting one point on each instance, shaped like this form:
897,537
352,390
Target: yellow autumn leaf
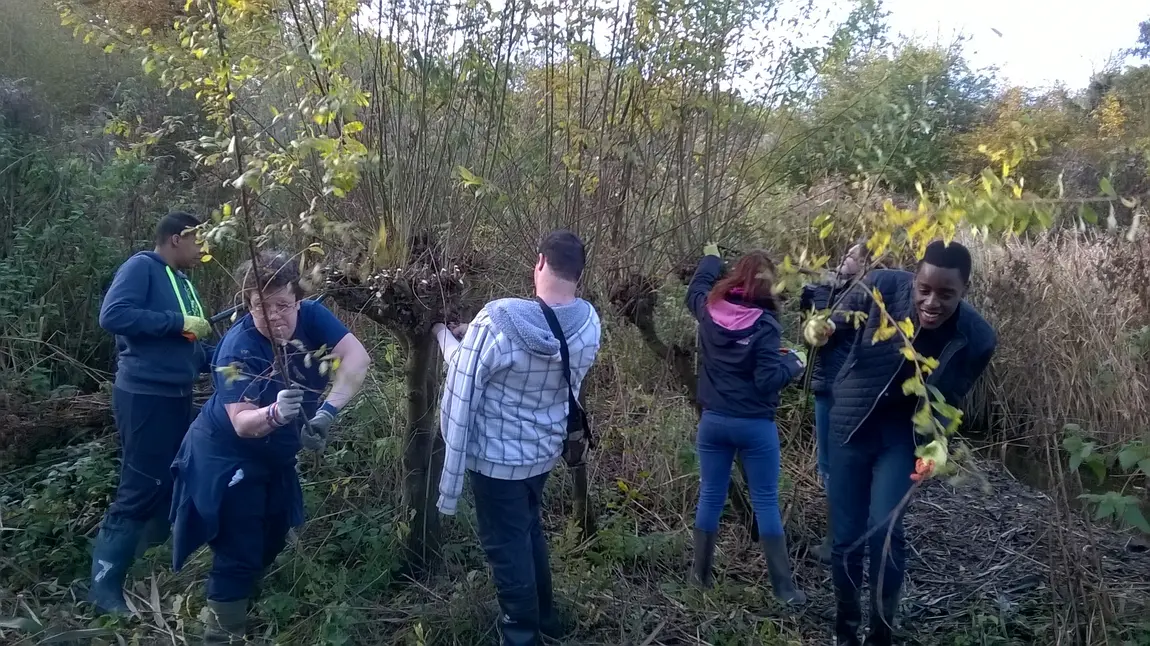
907,328
884,332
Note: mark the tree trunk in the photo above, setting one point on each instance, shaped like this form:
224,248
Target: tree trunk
422,455
583,507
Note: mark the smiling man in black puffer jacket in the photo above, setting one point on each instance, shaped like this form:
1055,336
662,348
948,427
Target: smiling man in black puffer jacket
870,423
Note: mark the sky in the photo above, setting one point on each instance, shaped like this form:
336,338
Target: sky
1042,42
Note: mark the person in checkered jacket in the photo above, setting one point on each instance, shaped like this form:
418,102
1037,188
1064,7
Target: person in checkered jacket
504,423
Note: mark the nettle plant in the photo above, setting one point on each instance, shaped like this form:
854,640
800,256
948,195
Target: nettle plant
1128,462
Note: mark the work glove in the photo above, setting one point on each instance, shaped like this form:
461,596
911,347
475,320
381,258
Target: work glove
314,436
711,249
288,405
818,330
795,361
196,328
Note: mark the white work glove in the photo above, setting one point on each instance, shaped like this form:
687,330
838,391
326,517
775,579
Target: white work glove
289,404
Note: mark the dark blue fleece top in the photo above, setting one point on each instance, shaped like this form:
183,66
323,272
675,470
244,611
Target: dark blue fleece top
145,309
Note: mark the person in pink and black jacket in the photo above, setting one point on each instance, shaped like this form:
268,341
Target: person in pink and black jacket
744,366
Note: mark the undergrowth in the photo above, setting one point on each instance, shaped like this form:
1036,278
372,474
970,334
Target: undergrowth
339,582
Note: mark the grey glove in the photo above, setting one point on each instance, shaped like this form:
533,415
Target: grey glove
314,437
289,404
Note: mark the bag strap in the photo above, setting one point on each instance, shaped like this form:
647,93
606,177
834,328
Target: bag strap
565,355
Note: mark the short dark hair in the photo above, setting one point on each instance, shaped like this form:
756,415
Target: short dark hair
269,272
175,223
565,254
948,256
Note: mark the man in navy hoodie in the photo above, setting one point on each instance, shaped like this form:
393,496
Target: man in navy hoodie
871,427
160,326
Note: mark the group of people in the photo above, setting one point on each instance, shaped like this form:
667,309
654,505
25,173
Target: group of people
510,412
863,417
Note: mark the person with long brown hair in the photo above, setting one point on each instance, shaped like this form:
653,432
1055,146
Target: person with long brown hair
744,366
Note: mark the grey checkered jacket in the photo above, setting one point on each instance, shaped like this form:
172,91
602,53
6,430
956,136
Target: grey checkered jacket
504,408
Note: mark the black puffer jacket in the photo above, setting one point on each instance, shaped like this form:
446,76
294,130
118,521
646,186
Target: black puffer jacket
826,361
871,368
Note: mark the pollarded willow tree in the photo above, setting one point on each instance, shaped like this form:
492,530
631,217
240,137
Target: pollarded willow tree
396,145
382,138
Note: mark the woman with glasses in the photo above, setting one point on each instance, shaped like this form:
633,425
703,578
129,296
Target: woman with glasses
236,487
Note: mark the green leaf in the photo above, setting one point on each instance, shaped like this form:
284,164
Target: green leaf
1105,509
22,624
1131,455
467,176
1088,214
1134,518
1107,188
1075,462
1144,467
1097,465
352,127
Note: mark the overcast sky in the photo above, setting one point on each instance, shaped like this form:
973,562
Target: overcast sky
1042,42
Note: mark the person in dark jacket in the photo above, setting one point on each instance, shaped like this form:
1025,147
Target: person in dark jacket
236,486
826,362
872,431
160,327
744,366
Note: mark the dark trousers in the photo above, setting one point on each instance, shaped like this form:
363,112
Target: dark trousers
823,404
253,528
151,429
870,477
511,533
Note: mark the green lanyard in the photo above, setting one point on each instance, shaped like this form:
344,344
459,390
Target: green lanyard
199,311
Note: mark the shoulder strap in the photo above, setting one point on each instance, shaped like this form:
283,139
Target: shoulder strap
564,354
557,330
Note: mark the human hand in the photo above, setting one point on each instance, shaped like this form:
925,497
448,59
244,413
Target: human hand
288,405
459,330
923,469
711,249
196,328
314,437
797,361
818,330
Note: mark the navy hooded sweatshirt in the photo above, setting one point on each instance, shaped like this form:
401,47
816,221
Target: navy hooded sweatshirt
145,309
743,363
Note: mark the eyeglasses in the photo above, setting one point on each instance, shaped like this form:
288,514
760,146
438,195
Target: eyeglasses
273,309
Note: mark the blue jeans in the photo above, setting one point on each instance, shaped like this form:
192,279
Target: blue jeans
823,403
870,476
511,533
757,442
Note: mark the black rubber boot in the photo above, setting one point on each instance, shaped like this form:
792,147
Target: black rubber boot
779,569
823,551
848,619
226,622
155,532
112,557
701,569
882,622
522,630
